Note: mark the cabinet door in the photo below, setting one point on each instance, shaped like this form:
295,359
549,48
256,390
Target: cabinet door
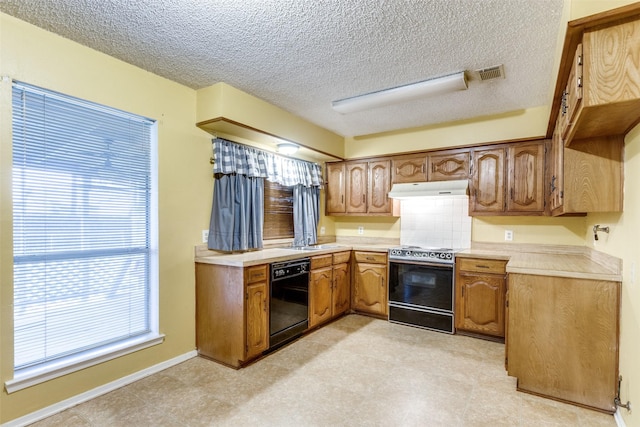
320,286
448,165
379,186
556,171
409,169
335,193
572,98
370,288
356,187
526,178
257,323
488,181
341,296
480,303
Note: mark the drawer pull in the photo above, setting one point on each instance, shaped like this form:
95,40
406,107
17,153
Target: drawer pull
370,258
482,266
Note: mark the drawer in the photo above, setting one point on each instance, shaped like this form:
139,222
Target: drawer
257,273
481,265
321,261
341,257
371,257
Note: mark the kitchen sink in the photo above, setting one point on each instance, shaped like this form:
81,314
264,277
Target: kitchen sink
311,248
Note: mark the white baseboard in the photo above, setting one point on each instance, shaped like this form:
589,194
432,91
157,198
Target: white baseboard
618,417
98,391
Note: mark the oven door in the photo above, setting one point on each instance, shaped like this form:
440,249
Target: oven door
421,294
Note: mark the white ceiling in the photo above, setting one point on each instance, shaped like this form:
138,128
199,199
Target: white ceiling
302,54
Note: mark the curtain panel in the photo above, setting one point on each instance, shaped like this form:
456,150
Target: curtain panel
237,214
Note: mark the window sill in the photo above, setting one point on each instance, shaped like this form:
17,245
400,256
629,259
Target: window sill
35,375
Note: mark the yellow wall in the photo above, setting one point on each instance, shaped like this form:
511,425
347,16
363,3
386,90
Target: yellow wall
514,125
223,100
35,56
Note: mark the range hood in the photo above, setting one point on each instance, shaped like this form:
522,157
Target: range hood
429,189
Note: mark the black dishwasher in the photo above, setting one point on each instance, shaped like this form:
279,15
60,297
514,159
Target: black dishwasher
289,301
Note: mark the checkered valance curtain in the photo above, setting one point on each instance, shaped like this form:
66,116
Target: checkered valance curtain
230,158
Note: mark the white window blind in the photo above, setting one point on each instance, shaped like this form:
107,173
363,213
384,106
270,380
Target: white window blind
82,200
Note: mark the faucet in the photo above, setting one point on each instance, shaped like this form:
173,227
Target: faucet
597,228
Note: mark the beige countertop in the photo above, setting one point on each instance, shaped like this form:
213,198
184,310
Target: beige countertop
551,260
541,260
269,255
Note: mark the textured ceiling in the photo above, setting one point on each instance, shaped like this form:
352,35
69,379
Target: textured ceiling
302,54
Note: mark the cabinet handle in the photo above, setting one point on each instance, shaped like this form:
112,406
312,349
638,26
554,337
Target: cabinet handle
363,198
511,193
553,183
369,258
580,81
462,291
579,59
482,266
342,199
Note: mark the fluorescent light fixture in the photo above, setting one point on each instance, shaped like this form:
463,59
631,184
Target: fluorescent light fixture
287,148
410,92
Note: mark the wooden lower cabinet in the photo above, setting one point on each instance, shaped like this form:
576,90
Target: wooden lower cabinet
370,288
563,338
329,287
480,296
232,312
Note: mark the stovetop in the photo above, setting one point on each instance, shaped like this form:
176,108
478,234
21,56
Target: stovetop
418,253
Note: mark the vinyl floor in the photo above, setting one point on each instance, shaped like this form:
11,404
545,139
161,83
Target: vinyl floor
356,371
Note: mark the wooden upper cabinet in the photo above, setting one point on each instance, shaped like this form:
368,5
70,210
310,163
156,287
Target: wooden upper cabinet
409,168
508,180
603,85
448,165
335,194
356,187
379,186
487,194
360,188
526,177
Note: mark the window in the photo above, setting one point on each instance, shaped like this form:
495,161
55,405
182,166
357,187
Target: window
84,229
278,211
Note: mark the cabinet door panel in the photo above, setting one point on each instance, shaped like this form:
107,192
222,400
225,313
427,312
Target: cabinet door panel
341,289
481,308
257,319
488,181
336,184
370,288
526,178
379,186
356,187
409,169
448,166
320,285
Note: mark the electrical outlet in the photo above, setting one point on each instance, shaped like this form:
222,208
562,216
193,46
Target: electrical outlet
360,230
508,235
322,231
205,236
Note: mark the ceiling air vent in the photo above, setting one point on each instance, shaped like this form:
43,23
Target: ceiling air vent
491,72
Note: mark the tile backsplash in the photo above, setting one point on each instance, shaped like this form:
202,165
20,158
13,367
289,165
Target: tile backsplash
436,222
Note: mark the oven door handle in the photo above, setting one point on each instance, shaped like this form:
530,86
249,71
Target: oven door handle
422,263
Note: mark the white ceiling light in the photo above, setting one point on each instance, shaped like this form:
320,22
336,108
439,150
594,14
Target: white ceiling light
287,148
450,83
